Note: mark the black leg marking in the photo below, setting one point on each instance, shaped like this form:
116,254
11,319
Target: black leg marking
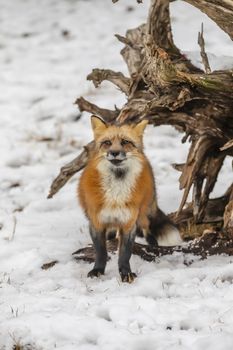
139,232
99,242
151,240
125,251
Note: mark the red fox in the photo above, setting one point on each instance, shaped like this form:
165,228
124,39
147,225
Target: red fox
117,193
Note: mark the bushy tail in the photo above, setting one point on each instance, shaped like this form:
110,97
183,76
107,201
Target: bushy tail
162,231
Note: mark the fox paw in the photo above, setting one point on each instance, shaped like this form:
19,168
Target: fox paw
95,273
128,277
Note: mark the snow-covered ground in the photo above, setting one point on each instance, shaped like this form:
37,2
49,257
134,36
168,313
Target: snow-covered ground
47,48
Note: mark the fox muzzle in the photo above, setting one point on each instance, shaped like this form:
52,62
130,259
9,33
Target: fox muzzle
116,157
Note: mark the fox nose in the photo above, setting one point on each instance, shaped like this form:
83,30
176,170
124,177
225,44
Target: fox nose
114,153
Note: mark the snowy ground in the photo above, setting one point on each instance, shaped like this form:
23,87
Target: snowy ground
46,50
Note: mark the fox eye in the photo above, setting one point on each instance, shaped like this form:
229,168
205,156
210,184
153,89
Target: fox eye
106,143
125,142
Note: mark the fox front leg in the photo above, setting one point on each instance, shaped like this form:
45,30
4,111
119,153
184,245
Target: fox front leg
126,241
99,242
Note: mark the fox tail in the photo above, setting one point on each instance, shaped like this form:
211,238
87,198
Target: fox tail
162,231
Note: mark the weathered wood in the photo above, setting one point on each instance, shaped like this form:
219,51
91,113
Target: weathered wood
201,43
228,213
106,114
117,78
227,145
190,226
68,170
132,52
210,243
160,29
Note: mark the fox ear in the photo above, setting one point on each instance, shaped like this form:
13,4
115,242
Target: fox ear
98,125
140,127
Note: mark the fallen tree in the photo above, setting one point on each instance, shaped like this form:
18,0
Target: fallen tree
164,87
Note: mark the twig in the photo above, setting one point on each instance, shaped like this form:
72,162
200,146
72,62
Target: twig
123,39
227,145
14,227
48,265
107,114
117,78
70,169
201,43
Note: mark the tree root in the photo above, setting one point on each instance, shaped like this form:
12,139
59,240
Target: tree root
210,243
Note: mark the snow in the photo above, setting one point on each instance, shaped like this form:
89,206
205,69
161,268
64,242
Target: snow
178,302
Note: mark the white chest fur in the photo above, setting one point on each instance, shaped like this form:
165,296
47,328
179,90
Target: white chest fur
115,216
117,191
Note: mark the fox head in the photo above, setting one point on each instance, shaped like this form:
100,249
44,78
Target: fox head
118,145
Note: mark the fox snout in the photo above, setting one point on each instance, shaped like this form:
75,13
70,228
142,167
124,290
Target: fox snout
116,156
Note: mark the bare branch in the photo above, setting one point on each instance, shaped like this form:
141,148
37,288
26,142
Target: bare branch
213,164
70,169
193,164
123,39
117,78
132,52
178,167
201,43
228,217
227,145
107,114
159,25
